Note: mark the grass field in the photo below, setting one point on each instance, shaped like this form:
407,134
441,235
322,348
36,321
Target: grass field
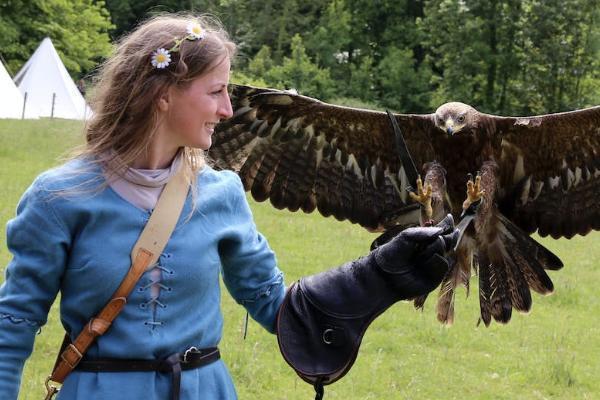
553,353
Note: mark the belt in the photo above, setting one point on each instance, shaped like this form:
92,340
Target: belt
192,358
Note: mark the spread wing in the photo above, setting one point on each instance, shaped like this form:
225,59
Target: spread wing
551,172
304,154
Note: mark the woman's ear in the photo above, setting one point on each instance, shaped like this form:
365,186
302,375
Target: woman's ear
164,101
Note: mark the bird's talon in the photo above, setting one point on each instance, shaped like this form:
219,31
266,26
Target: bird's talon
474,191
423,197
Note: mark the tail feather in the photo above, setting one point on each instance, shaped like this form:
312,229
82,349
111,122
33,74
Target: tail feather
516,284
419,302
530,256
459,273
534,274
519,289
445,304
500,298
511,263
485,289
545,258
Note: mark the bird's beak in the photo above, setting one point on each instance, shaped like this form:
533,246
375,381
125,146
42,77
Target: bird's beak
449,125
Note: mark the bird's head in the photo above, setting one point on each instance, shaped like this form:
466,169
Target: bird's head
455,117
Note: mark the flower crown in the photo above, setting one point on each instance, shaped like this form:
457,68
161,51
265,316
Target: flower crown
161,58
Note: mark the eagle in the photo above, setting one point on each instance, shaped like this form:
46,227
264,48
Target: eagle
537,173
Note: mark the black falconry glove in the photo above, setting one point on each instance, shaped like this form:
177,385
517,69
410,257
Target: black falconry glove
323,318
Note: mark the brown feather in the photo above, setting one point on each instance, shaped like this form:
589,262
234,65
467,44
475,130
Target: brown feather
419,302
458,274
559,153
261,187
485,289
501,305
347,149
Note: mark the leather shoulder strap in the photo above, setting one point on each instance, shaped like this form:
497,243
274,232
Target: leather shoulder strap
144,254
158,230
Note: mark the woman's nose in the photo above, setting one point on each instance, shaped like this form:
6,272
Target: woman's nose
225,109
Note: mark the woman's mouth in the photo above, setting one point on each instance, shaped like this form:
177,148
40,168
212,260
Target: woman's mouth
210,126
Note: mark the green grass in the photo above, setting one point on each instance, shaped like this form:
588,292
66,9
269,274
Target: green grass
553,353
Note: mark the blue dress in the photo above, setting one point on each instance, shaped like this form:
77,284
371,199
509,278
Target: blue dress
80,243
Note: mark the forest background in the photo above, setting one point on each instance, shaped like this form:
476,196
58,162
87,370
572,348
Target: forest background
509,57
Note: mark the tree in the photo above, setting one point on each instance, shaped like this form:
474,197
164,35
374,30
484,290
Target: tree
403,87
501,56
514,56
15,26
78,29
560,53
300,73
80,33
361,84
262,62
330,39
126,14
457,52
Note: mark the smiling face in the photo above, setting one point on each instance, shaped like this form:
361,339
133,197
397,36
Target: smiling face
191,113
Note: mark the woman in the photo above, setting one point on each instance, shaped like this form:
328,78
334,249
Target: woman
157,101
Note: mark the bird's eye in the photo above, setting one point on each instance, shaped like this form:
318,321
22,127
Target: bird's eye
461,118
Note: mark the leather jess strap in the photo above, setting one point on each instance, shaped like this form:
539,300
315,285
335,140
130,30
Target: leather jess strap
145,253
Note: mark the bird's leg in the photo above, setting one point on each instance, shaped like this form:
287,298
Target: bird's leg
423,196
474,191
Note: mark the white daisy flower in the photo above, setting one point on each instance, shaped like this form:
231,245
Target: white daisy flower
161,58
195,30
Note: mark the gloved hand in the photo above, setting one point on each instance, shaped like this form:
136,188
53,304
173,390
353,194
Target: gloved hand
323,317
414,259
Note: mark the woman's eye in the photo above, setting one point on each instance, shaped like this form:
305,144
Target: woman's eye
220,91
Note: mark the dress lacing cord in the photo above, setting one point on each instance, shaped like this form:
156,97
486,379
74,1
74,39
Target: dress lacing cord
163,269
154,300
156,285
158,266
154,323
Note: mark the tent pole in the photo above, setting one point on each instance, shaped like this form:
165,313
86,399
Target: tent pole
24,104
53,101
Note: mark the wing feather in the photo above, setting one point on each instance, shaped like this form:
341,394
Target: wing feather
551,171
304,154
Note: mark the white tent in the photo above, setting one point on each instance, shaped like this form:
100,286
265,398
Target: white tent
47,86
11,100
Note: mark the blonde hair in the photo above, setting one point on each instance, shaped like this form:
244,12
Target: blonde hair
127,88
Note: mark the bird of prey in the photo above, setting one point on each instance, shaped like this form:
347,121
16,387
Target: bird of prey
531,173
